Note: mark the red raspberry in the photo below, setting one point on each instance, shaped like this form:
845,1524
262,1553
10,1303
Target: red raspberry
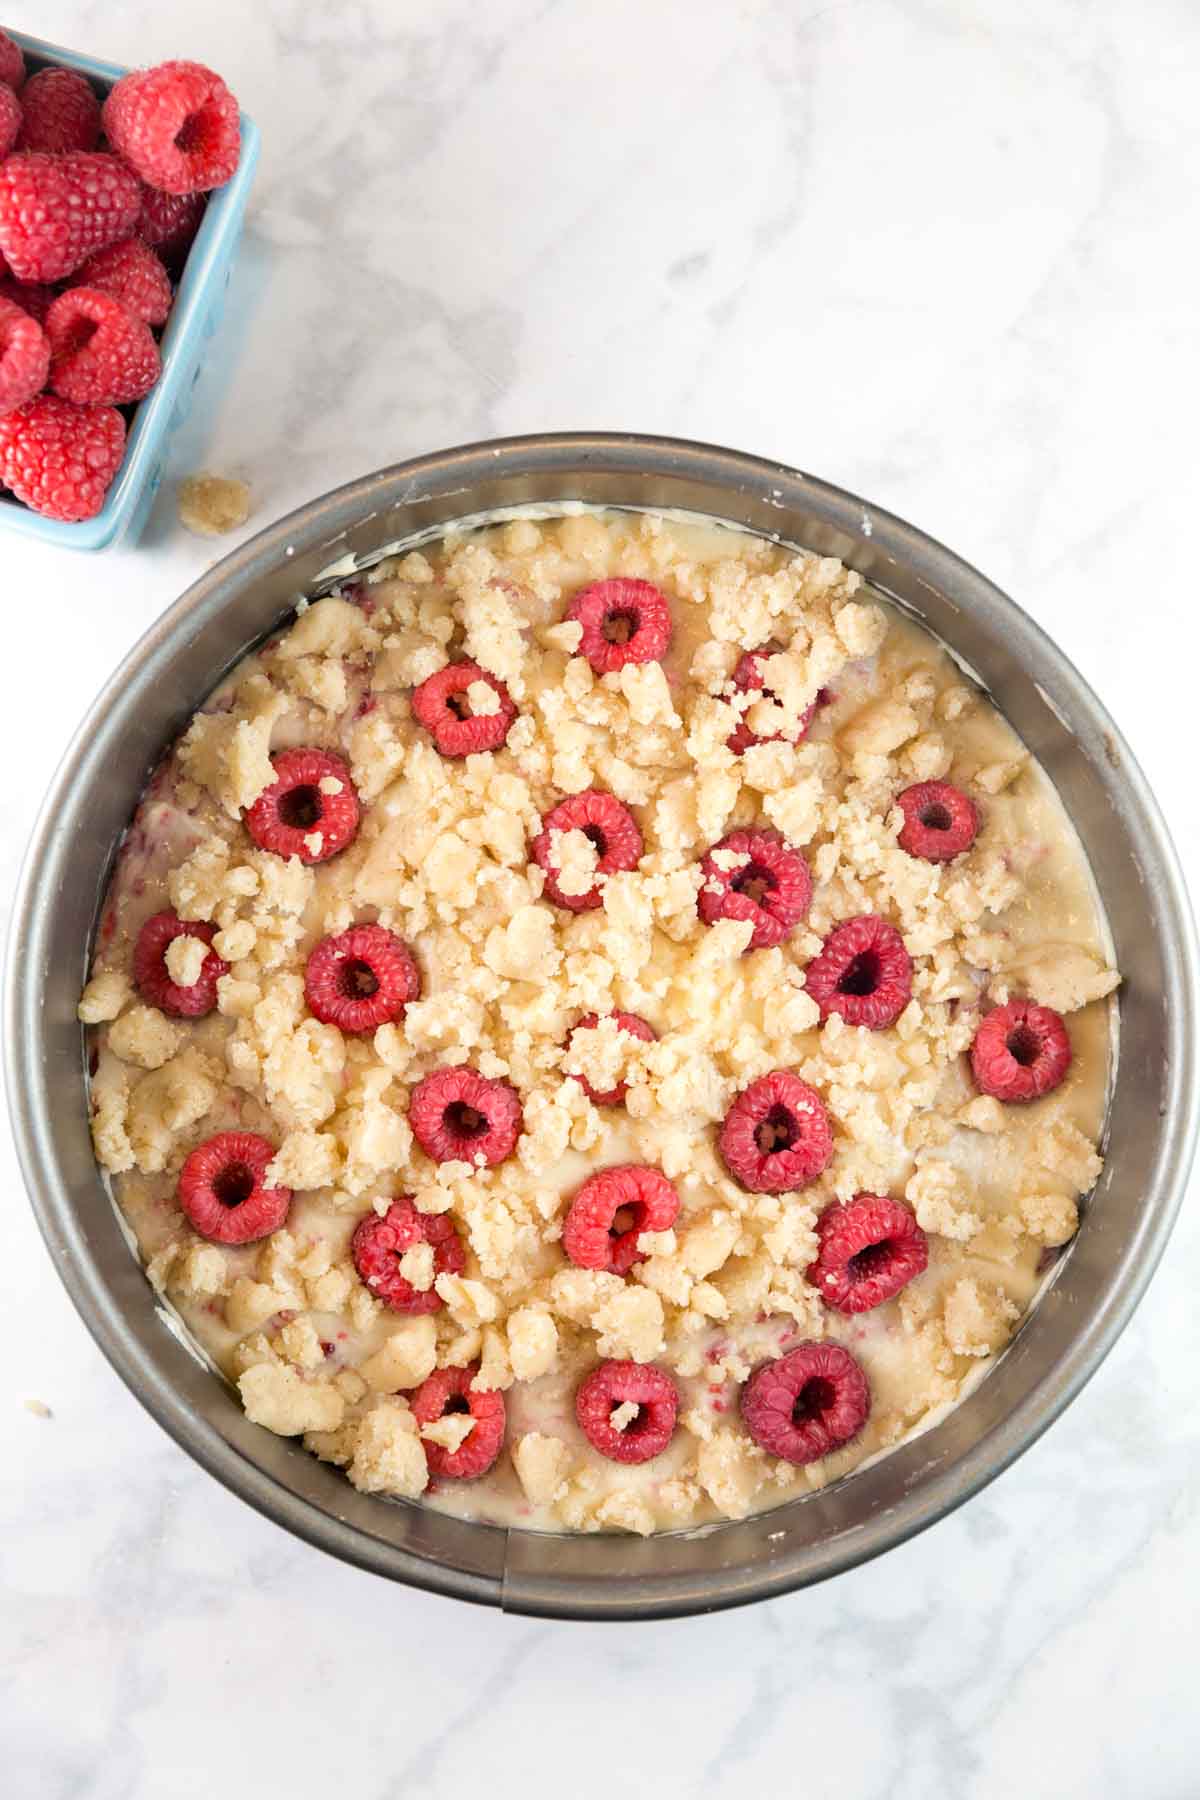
748,679
11,120
61,459
361,979
862,972
776,1135
294,807
177,125
101,354
12,63
614,1384
609,1213
623,621
61,112
34,300
221,1191
607,824
458,1116
379,1243
57,210
869,1248
150,972
773,889
628,1022
450,1391
940,822
441,706
24,353
807,1404
169,222
1021,1051
134,275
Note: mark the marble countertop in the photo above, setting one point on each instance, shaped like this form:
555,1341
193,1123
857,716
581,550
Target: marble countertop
941,252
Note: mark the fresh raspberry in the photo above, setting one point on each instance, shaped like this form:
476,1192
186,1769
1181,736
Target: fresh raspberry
101,354
57,210
862,972
624,621
296,809
61,459
776,1135
628,1022
748,679
609,1213
1021,1051
134,275
458,1116
177,125
379,1243
450,1391
32,299
441,706
153,979
221,1191
868,1249
940,822
614,1384
773,889
169,222
607,824
360,979
61,112
11,119
12,63
24,353
807,1404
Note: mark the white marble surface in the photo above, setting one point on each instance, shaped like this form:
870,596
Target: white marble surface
941,251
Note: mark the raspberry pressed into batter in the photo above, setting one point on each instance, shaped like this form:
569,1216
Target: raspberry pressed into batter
635,1027
458,1116
1021,1052
379,1244
221,1189
448,1392
807,1404
755,876
611,1211
870,1247
310,810
614,1385
153,978
360,979
863,973
776,1135
623,622
443,706
940,821
609,827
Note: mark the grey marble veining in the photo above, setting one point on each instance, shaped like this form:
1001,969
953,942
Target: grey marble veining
940,251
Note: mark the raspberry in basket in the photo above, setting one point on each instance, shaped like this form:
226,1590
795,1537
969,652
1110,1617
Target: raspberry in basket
177,125
100,353
940,821
29,296
627,1022
459,1116
748,678
769,885
61,459
221,1189
169,222
11,120
12,63
379,1243
153,978
61,112
862,972
609,827
624,621
807,1404
776,1135
443,706
868,1249
1021,1051
310,810
610,1388
449,1391
57,210
360,979
609,1213
132,274
24,353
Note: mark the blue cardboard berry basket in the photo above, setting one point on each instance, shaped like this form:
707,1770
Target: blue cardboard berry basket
195,315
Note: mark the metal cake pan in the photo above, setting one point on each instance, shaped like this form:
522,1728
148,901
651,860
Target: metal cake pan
1152,1116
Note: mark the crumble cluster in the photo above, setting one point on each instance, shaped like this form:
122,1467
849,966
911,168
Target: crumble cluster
442,859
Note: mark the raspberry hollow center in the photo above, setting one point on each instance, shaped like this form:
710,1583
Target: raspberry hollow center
755,882
1023,1045
198,130
357,980
619,627
868,1261
234,1184
814,1400
778,1131
301,807
596,839
465,1121
935,817
624,1219
862,974
77,337
457,1403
